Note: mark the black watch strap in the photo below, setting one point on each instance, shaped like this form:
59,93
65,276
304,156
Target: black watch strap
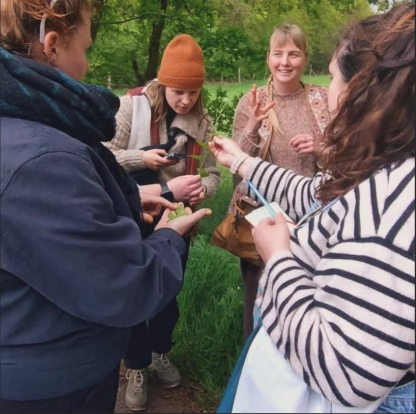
165,188
166,193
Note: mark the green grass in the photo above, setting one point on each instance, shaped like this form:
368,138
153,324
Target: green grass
209,335
235,89
120,91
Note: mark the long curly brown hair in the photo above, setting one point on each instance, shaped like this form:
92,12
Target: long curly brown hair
375,124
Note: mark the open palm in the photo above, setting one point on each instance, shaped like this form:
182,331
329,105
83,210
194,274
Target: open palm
258,113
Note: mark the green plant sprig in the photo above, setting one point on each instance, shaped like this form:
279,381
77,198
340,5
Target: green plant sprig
179,212
202,159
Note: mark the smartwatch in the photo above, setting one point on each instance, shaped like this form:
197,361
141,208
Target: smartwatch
166,193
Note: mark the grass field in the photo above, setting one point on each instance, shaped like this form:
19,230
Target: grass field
235,89
208,338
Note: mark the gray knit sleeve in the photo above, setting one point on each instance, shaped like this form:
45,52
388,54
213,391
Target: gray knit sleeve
131,160
211,182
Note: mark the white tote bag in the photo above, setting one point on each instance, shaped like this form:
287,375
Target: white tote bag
268,384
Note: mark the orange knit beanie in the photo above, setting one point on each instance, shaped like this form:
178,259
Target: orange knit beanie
182,64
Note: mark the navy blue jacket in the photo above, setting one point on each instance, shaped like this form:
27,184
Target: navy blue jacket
75,272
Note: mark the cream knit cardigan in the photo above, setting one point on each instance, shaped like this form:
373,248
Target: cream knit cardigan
132,158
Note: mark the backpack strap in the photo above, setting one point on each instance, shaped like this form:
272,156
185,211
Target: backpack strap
318,109
193,149
154,127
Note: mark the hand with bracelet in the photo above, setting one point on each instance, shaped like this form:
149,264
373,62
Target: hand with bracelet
272,235
230,155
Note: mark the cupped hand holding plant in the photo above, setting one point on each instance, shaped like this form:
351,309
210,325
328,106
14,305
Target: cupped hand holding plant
153,205
182,220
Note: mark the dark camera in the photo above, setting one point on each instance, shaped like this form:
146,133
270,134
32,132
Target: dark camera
176,157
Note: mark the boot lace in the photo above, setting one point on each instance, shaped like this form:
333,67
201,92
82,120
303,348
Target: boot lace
138,379
164,361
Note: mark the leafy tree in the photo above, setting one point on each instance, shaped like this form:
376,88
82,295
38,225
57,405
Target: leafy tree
224,51
234,34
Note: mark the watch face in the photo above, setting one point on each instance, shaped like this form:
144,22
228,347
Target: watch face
168,195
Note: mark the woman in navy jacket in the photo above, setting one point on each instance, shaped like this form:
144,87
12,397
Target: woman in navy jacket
75,272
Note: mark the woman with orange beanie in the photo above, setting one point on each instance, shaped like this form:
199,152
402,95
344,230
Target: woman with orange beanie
159,129
166,118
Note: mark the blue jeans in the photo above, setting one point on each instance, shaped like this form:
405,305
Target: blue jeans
400,400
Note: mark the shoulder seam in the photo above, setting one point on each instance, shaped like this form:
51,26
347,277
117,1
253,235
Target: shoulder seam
36,156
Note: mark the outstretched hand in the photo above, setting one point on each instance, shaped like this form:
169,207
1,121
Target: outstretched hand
183,225
225,150
153,206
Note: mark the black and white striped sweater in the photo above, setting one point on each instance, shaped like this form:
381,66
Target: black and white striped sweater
340,305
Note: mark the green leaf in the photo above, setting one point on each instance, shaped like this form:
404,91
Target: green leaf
203,173
203,145
196,157
179,212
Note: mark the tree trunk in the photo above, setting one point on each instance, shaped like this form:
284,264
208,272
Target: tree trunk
239,75
154,44
97,8
136,70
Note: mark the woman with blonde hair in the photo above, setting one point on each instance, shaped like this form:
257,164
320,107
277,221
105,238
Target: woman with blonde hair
282,122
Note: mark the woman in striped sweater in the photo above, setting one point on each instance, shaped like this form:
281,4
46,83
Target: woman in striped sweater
338,291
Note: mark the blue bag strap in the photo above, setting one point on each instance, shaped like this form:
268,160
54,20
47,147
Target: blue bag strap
227,402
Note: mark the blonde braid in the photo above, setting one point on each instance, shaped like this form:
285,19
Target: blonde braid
273,120
270,89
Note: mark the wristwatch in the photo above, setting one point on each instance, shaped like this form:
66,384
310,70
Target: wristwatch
166,193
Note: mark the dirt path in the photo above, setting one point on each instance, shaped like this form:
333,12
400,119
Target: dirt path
161,400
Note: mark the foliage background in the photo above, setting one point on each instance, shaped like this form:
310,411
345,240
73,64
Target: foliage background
234,34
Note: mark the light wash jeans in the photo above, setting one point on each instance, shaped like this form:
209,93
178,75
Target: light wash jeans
400,400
